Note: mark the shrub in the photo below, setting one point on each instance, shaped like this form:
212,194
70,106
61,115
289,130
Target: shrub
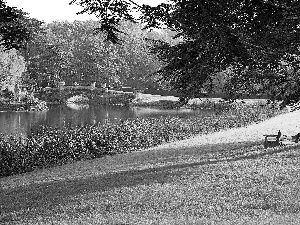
7,95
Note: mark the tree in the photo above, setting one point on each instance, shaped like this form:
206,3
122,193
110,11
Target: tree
12,65
16,27
279,82
43,60
247,35
136,64
72,52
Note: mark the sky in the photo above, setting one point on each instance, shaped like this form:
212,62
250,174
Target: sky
51,10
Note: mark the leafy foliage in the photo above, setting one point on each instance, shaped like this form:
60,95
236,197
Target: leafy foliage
112,12
280,82
252,34
16,28
12,65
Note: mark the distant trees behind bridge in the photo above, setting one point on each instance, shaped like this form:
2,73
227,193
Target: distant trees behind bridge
73,53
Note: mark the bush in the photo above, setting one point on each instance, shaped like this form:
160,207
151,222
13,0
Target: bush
49,146
7,95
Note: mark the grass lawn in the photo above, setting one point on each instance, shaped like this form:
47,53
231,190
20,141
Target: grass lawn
231,184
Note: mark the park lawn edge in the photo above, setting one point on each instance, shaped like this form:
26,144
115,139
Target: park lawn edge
212,159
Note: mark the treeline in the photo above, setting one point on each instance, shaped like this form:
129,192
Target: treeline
75,53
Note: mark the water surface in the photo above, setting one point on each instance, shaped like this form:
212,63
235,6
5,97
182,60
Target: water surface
22,123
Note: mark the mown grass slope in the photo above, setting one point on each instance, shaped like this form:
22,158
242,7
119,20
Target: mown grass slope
250,187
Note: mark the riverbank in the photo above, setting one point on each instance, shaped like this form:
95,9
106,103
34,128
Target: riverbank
50,146
159,101
249,136
230,182
23,107
288,124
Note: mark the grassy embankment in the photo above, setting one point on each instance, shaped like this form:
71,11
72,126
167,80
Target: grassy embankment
48,147
245,189
232,183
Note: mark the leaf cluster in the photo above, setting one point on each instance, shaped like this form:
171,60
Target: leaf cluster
216,35
111,14
16,28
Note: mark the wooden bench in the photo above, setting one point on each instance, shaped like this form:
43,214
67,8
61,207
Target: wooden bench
271,140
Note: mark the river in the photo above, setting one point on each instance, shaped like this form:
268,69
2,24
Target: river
21,123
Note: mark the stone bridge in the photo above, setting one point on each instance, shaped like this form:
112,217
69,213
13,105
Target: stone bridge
95,95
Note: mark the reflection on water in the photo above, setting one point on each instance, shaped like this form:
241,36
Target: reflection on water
21,123
77,106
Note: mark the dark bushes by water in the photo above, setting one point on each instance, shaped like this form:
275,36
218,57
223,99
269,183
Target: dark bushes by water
48,146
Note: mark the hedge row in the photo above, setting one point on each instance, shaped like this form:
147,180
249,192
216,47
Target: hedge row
49,146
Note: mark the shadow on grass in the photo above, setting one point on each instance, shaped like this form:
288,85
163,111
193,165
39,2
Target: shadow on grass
38,198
